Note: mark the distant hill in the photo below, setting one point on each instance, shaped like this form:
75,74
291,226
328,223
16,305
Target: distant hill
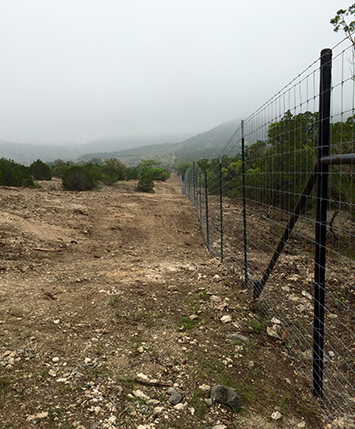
163,153
204,145
207,144
115,144
27,153
129,151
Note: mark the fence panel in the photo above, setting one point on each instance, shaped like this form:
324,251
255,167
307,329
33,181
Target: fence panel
263,214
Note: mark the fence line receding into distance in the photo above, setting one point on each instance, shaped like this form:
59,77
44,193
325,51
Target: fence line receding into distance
278,208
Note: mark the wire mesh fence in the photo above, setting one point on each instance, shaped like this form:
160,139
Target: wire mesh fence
278,208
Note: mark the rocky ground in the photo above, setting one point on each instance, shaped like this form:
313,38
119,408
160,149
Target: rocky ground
113,315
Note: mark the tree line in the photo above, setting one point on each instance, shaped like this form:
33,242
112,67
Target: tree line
82,176
277,168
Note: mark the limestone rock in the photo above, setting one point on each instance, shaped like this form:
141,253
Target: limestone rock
238,337
175,397
223,395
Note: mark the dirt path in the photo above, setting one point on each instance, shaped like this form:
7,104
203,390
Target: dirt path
106,293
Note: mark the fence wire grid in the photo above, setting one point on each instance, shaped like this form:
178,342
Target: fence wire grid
261,209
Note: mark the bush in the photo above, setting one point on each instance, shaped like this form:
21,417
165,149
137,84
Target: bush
13,174
145,184
132,173
40,171
113,170
77,179
60,167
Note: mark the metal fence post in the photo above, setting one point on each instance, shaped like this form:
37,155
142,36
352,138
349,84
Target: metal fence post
244,213
194,183
321,219
207,225
199,195
221,203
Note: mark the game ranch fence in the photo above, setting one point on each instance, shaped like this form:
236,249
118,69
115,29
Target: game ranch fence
278,208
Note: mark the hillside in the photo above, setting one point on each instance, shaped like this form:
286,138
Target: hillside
204,145
129,151
27,153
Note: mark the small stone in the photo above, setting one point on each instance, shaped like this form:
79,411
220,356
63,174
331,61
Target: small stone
301,308
56,322
180,406
112,420
158,410
276,415
274,332
301,425
193,317
175,396
226,319
307,295
55,359
38,416
219,427
140,395
205,387
238,337
223,395
153,402
140,349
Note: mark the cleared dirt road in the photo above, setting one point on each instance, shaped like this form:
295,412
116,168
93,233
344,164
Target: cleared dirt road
109,297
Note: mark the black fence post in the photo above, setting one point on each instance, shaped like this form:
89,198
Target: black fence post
244,213
199,195
321,220
194,182
207,225
221,203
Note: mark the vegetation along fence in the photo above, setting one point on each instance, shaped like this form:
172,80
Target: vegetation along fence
278,208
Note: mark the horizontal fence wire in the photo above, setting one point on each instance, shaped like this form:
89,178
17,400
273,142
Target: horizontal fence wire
247,199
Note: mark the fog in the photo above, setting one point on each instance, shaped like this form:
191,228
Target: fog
77,70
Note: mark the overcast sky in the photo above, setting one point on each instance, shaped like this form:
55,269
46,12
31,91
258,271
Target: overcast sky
78,70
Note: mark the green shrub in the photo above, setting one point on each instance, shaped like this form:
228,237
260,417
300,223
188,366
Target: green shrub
132,173
60,167
77,179
13,174
40,171
113,170
145,184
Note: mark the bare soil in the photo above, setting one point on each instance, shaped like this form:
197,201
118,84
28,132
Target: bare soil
110,292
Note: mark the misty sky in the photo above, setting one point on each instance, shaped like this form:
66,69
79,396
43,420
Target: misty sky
77,70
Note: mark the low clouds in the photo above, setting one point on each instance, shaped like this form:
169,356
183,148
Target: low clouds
77,70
